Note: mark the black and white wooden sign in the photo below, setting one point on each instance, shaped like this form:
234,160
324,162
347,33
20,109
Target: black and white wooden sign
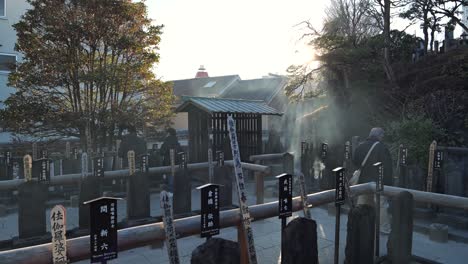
99,167
171,238
284,195
183,160
103,229
172,159
305,204
438,159
347,150
131,162
209,224
58,230
75,153
379,181
44,174
403,155
7,158
324,151
84,165
220,158
144,163
241,191
44,154
340,195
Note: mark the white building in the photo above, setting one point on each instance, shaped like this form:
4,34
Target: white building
10,13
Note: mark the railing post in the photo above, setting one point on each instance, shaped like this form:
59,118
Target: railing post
259,184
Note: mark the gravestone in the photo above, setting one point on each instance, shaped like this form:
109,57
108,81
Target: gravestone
138,196
89,189
299,242
216,251
32,198
360,235
182,188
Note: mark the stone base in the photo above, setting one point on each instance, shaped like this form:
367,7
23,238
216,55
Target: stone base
452,220
438,232
26,242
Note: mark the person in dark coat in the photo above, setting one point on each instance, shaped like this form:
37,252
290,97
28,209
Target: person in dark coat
170,142
131,142
380,153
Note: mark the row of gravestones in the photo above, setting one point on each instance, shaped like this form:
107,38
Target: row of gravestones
33,193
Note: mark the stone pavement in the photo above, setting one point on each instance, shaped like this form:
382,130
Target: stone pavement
266,235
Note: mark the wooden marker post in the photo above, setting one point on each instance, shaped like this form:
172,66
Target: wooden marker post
84,165
131,162
284,202
27,165
144,164
340,198
346,165
430,169
305,204
58,229
244,209
210,158
103,229
325,183
99,167
172,176
171,239
379,186
34,151
209,210
44,154
44,175
67,150
401,180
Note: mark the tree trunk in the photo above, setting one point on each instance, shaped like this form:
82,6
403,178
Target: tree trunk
425,29
387,63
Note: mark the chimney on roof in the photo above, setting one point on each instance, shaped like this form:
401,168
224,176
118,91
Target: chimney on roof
201,72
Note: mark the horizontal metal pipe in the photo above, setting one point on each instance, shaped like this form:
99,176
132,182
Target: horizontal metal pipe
271,156
128,238
454,150
116,174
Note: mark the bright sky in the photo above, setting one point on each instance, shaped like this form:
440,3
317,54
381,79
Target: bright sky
245,37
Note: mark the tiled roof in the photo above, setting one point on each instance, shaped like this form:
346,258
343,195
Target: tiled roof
217,105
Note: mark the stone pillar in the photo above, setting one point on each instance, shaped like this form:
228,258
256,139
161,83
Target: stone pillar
360,235
89,190
138,197
400,240
288,163
182,188
299,242
32,197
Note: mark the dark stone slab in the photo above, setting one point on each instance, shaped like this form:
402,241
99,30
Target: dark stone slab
360,235
71,166
138,198
299,242
182,192
89,190
223,176
32,197
400,241
216,251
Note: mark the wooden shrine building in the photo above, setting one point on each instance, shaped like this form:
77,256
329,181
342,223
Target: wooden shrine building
207,119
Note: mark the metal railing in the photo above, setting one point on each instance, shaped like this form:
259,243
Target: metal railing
78,248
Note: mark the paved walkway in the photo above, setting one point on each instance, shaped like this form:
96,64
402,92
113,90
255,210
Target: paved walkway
266,235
